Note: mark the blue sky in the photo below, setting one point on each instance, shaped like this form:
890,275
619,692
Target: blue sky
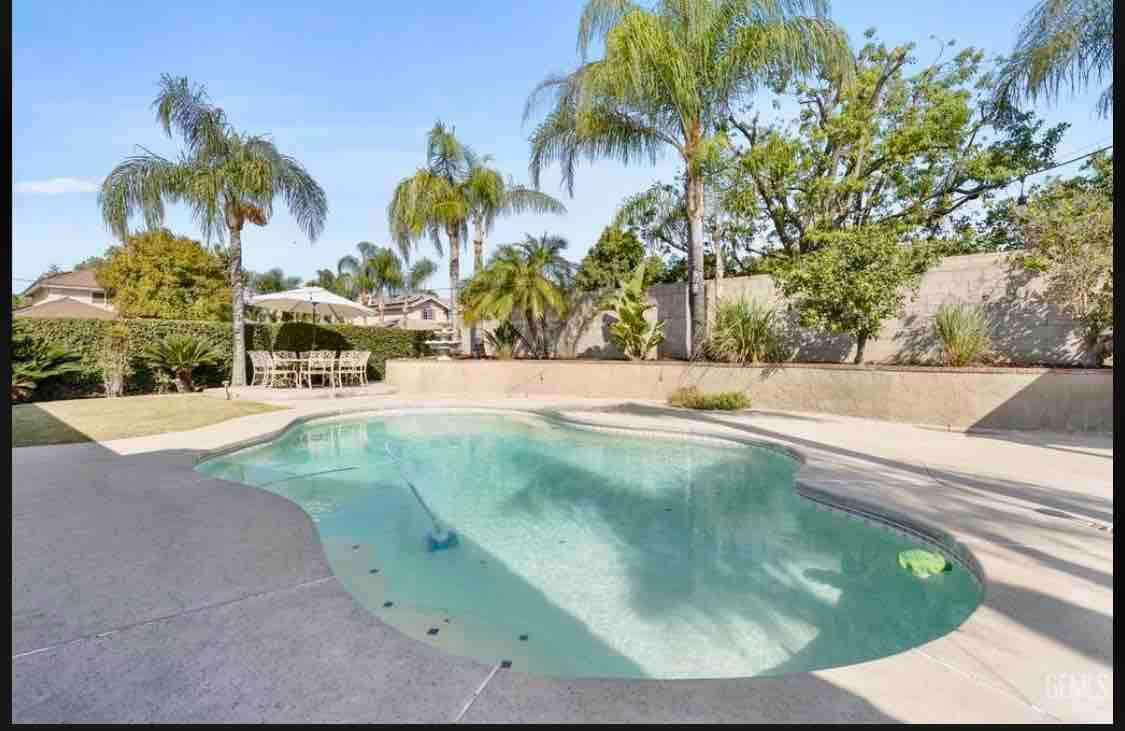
348,88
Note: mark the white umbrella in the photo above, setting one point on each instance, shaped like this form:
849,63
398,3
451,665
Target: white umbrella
311,300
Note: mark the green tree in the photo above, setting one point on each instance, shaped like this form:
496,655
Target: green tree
1063,44
1067,229
271,280
667,78
889,149
180,355
612,259
531,279
853,281
90,262
35,362
491,196
157,274
352,274
226,178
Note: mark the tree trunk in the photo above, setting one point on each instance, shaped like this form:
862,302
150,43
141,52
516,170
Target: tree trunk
697,302
478,263
720,271
238,366
454,235
860,344
183,381
533,331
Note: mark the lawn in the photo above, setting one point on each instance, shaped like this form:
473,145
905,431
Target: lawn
100,419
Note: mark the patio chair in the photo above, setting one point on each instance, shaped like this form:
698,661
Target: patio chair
321,363
286,368
263,367
352,366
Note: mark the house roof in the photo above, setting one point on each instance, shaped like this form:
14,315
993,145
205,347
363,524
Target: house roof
413,300
65,307
80,278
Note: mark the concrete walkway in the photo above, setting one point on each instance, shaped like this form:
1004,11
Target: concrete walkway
143,591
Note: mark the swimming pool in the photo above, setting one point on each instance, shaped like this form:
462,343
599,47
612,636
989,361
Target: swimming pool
591,554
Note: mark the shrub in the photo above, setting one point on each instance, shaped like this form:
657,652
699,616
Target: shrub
85,338
635,335
180,354
690,397
504,340
745,332
35,362
963,334
115,359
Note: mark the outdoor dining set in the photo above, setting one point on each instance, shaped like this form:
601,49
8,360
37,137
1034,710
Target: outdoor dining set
283,368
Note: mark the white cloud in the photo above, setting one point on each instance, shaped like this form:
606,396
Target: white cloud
56,186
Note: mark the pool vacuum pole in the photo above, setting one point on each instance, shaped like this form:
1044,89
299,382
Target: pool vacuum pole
438,538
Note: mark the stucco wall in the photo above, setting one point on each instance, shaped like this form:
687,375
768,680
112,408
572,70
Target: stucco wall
1025,329
994,398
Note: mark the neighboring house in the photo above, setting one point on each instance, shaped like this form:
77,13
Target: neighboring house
67,294
409,312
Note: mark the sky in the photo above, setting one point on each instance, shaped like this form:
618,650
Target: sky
350,89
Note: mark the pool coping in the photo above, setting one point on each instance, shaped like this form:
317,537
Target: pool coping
865,511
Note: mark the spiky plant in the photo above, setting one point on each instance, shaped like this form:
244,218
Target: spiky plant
744,332
1063,45
963,334
635,335
504,339
670,74
225,177
36,361
530,279
180,355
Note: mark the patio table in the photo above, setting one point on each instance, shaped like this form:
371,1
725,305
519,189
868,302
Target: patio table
296,363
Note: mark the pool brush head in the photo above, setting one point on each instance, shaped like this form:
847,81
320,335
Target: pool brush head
441,541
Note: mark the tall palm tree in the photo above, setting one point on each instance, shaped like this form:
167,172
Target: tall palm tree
418,273
226,178
491,196
435,201
384,271
352,272
530,278
668,78
1062,44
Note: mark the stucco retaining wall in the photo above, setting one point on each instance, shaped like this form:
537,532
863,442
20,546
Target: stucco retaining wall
983,398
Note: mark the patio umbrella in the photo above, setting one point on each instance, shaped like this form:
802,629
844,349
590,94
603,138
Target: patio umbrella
311,300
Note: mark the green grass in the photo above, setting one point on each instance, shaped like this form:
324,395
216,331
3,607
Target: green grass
692,398
102,419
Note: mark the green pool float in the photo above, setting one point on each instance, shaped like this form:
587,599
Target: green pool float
923,563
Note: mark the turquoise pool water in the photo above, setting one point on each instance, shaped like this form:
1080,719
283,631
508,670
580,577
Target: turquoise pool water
585,553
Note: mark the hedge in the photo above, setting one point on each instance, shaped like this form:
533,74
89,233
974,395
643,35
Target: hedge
83,337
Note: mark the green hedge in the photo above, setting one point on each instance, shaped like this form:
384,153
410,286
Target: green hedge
83,337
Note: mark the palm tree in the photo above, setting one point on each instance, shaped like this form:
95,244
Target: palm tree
1063,43
416,277
272,280
226,178
384,271
351,271
530,278
668,78
491,196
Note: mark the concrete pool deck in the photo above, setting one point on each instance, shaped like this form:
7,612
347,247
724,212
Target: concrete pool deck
144,591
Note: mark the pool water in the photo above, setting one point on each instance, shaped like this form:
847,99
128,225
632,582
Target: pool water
586,553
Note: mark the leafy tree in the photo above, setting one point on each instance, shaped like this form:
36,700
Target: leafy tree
889,150
530,279
1062,44
631,332
90,262
180,355
852,281
352,274
1067,227
226,178
612,259
271,280
157,274
667,78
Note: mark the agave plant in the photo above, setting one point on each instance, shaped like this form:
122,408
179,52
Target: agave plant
35,361
180,354
635,335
